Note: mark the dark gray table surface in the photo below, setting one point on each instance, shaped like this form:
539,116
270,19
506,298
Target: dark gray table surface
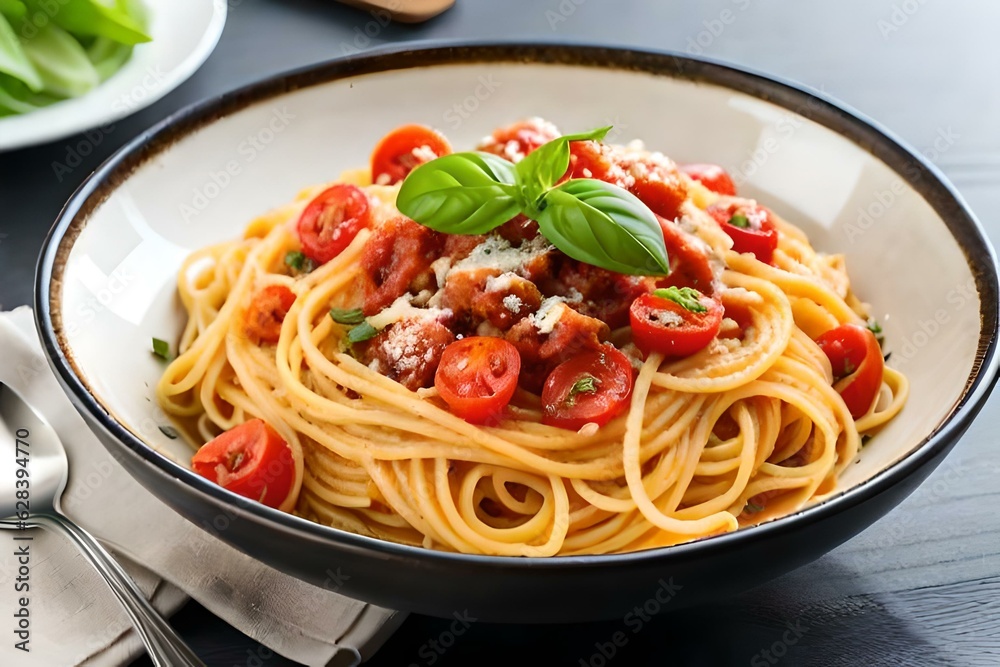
920,587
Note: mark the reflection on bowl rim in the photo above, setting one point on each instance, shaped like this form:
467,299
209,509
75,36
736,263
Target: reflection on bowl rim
919,174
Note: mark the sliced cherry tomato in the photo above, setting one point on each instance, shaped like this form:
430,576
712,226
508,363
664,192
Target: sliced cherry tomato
403,150
689,265
712,176
251,460
477,377
749,226
857,362
332,220
517,140
661,324
266,312
593,386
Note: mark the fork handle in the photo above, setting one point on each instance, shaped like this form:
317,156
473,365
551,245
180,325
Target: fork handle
165,647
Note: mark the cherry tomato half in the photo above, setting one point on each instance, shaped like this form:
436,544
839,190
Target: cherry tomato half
403,150
660,324
251,460
593,386
477,377
749,226
857,362
267,310
712,176
332,220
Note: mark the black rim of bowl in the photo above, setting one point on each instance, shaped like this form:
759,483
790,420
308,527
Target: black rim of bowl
916,171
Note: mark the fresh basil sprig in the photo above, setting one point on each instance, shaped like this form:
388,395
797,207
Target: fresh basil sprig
543,167
590,220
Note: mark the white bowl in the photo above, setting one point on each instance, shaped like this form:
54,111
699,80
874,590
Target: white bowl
107,278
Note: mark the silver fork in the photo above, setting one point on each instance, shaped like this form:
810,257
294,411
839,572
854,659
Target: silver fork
49,470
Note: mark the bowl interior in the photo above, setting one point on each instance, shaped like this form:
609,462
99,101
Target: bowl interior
118,278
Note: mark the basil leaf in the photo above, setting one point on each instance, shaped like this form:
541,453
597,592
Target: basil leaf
347,316
587,384
361,333
739,220
161,348
461,193
604,225
543,167
685,297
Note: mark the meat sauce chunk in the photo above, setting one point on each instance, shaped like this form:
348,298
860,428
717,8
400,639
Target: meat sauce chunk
396,260
542,351
408,351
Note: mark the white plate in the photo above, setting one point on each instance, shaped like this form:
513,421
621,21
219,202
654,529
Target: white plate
184,33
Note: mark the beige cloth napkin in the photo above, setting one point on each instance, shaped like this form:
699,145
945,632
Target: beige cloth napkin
76,620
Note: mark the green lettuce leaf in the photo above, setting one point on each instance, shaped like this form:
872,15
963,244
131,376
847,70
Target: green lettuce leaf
61,61
13,60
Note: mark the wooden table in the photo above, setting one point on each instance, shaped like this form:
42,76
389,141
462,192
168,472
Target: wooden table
922,586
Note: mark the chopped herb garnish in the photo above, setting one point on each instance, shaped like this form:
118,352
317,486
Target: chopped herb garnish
161,348
585,385
170,432
297,261
685,297
361,333
347,316
739,220
753,507
590,220
876,329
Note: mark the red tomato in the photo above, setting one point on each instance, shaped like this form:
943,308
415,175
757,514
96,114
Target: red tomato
689,265
662,325
593,386
403,150
477,377
267,310
251,460
332,220
749,226
526,135
857,363
712,176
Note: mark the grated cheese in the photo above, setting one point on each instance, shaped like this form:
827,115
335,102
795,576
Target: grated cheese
513,303
402,309
501,283
424,153
441,266
497,253
549,313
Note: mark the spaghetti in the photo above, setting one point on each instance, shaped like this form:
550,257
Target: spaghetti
751,427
